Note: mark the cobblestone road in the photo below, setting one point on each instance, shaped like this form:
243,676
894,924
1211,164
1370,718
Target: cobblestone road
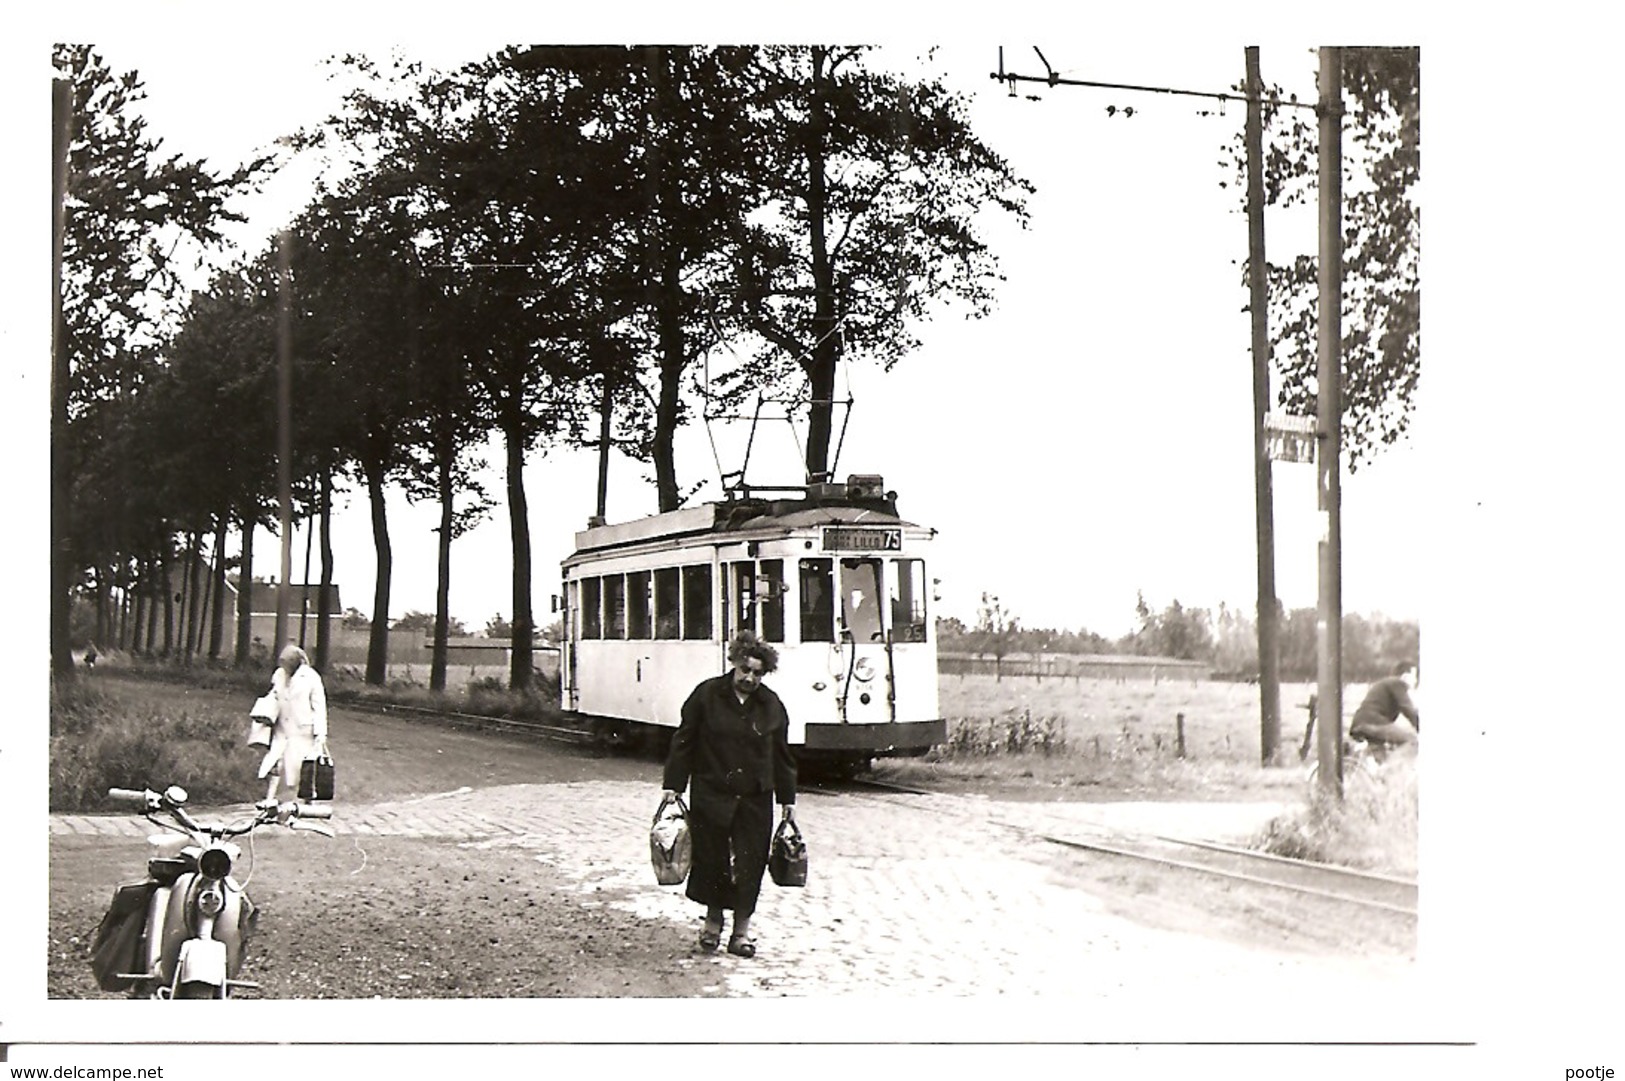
908,895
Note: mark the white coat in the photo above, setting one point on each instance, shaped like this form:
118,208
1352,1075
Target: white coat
301,720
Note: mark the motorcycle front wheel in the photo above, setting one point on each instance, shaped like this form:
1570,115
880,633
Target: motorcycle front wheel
196,989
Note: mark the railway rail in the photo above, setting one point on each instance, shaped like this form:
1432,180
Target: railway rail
1365,889
558,733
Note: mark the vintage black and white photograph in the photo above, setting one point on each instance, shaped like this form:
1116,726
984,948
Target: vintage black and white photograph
747,543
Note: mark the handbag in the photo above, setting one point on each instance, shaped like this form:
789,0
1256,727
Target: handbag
671,849
261,716
316,777
787,861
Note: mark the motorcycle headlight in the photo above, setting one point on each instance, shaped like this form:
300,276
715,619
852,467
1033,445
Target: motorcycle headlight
210,901
215,862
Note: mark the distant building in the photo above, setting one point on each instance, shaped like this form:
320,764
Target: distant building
1083,665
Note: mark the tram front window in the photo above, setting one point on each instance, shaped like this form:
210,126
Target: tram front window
907,587
817,592
860,599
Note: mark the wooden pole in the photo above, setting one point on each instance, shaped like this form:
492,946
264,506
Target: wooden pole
1269,653
1329,399
61,574
284,436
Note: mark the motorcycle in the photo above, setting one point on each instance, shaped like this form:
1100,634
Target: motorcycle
180,932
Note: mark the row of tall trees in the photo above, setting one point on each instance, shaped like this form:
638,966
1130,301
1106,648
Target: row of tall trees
528,252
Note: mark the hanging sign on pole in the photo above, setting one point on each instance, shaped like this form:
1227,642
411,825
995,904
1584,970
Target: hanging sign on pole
1289,438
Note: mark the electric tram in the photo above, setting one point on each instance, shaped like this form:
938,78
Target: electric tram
828,573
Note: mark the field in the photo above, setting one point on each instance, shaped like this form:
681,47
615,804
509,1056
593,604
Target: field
1124,738
1108,739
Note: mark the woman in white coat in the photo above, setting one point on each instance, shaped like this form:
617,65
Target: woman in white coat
300,730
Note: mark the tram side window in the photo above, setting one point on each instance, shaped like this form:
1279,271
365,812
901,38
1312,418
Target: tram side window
744,597
817,595
908,621
592,614
668,603
697,602
614,606
860,599
638,621
773,600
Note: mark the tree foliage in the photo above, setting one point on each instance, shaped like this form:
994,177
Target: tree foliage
1381,304
870,186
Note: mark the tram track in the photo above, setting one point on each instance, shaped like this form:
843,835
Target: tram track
1366,889
558,733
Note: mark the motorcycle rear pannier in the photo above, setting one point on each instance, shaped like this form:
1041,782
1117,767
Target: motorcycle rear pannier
117,946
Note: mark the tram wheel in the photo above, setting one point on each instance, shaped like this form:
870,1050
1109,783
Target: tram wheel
613,735
848,766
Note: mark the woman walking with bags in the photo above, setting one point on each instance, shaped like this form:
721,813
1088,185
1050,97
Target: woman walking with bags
733,745
300,730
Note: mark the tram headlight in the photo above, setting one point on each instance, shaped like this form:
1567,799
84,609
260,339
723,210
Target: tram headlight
864,670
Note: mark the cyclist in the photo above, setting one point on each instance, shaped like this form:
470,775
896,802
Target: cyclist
1377,721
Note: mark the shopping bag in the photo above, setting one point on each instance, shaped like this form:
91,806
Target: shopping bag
264,708
316,777
259,733
671,849
787,861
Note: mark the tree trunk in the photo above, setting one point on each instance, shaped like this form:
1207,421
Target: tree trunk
127,604
245,595
166,577
188,603
442,594
668,293
202,596
378,639
61,370
217,609
820,366
324,600
103,599
521,668
139,615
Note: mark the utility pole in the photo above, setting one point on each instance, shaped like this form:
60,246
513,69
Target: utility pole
1329,398
605,414
1269,660
61,569
284,435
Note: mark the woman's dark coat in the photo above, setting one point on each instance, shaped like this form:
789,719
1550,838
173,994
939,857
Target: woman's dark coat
737,756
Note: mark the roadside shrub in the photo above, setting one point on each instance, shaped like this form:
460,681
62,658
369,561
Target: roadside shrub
98,743
1011,735
1373,827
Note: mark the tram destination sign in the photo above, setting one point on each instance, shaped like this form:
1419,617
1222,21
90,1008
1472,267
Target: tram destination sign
845,539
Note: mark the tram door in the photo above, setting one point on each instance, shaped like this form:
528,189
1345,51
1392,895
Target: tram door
753,599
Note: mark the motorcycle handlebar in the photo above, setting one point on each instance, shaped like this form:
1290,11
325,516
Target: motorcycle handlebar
129,795
310,810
